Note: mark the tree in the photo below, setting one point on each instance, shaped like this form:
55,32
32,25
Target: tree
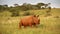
16,5
46,5
49,3
49,8
3,7
34,7
6,7
29,6
24,7
40,4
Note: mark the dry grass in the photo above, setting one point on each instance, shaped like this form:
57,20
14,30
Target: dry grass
49,25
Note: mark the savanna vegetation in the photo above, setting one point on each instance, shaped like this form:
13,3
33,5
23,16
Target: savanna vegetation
10,18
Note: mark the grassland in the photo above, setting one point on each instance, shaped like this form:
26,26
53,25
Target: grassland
48,25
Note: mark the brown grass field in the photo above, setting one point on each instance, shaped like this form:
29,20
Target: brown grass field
48,25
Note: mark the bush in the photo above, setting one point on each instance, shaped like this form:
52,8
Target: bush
48,11
26,13
14,12
56,17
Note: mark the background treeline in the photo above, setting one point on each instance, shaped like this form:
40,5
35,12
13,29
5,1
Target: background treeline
24,7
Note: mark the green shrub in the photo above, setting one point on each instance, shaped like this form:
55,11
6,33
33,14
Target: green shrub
14,12
26,13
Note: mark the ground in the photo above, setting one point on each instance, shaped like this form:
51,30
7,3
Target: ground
48,24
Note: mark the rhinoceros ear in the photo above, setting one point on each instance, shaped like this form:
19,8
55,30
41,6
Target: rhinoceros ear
37,16
34,15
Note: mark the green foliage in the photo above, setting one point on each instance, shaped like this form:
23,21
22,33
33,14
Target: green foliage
26,13
24,7
3,8
14,12
39,5
49,8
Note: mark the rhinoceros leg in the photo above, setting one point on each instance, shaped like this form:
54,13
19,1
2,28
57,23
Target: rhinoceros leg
30,25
